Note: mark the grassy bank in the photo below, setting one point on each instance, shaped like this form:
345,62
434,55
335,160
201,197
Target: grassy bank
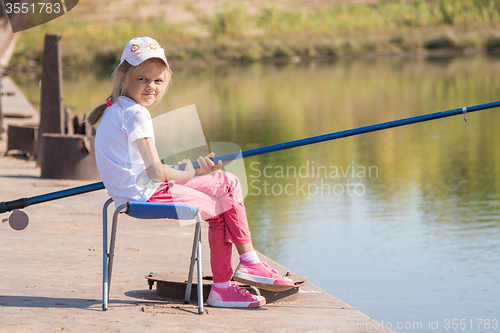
235,32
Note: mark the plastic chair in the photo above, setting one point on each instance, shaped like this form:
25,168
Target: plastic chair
149,210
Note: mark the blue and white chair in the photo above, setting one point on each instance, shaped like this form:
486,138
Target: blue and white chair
149,210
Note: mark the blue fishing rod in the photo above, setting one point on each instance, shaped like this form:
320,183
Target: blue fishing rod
15,205
351,132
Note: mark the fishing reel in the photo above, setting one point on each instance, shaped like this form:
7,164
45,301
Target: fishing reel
18,220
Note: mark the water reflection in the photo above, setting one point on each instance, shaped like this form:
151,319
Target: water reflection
421,241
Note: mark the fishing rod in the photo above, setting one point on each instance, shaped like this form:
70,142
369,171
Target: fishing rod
355,131
18,219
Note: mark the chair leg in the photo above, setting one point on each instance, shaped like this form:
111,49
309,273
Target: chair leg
110,257
105,289
196,255
200,277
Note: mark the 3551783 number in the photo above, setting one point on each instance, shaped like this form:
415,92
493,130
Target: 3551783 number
35,8
473,324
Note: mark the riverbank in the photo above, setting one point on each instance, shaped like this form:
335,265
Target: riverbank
215,31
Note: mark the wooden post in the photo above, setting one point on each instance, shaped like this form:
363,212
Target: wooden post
60,155
68,123
51,108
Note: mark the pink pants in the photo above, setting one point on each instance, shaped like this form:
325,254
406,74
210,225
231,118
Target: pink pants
220,200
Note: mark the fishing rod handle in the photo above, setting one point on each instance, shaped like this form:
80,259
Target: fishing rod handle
8,206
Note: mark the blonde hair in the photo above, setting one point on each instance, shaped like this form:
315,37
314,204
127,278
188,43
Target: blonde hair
120,77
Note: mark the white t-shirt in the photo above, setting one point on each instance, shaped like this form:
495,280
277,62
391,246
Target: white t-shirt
119,162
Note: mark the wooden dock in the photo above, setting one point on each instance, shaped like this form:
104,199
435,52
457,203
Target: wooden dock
14,103
16,110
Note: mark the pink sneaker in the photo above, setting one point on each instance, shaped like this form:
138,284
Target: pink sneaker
261,276
234,297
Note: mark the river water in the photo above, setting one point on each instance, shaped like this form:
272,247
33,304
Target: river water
402,224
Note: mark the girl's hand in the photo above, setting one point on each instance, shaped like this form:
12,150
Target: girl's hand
189,167
207,165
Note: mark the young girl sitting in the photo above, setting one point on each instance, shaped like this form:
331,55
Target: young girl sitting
125,149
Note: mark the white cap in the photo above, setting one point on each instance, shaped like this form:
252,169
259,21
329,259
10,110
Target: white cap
142,48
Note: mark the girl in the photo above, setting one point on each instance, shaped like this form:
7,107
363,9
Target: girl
125,150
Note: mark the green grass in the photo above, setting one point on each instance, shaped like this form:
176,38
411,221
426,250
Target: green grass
233,33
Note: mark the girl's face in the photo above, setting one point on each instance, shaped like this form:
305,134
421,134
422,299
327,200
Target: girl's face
145,85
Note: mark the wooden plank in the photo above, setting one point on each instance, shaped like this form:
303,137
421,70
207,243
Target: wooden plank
14,102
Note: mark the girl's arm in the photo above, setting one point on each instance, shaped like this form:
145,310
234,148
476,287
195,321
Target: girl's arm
157,171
